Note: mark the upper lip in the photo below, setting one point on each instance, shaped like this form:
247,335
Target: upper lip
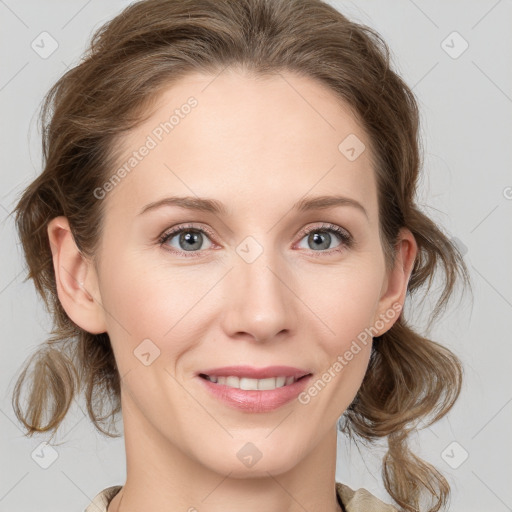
255,373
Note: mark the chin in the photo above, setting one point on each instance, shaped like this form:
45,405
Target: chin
248,461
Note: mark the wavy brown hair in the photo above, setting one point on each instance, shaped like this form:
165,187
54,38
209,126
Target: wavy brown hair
131,59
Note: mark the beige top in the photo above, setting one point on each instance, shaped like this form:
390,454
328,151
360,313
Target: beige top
352,501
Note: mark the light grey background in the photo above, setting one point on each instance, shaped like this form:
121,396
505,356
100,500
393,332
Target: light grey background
466,108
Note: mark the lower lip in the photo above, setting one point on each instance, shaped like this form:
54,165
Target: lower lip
255,400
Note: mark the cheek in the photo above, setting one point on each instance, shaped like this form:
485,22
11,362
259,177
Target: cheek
346,306
137,305
150,301
344,303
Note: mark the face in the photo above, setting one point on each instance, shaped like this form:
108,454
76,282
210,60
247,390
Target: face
258,282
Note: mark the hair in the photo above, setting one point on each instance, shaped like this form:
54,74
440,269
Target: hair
131,59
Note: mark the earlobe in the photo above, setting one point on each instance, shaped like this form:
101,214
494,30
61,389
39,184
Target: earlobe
393,296
76,279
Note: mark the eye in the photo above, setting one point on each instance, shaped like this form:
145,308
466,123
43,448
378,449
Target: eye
190,239
319,237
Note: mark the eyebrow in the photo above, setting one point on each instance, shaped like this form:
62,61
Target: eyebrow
216,207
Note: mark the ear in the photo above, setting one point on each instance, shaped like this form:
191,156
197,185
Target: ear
394,289
76,279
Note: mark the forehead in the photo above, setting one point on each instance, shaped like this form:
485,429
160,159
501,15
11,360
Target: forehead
263,137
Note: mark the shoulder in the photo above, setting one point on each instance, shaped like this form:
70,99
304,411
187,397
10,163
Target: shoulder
361,500
102,499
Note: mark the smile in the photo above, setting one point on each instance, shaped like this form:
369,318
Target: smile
248,384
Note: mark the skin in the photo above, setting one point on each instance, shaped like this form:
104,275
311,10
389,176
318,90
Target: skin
258,146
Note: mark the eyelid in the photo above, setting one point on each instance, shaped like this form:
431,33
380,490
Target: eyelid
174,230
325,226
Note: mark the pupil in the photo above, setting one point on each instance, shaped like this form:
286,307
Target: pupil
318,241
190,238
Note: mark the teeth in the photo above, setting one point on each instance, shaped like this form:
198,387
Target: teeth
252,384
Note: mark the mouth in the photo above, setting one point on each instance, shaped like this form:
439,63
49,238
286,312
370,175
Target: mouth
251,384
253,390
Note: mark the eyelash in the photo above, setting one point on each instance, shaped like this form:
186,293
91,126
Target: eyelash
345,237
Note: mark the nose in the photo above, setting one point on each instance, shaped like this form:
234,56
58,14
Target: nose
259,300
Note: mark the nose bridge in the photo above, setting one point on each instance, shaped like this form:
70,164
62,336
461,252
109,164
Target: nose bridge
261,303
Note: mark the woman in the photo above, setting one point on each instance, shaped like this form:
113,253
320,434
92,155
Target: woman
225,232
